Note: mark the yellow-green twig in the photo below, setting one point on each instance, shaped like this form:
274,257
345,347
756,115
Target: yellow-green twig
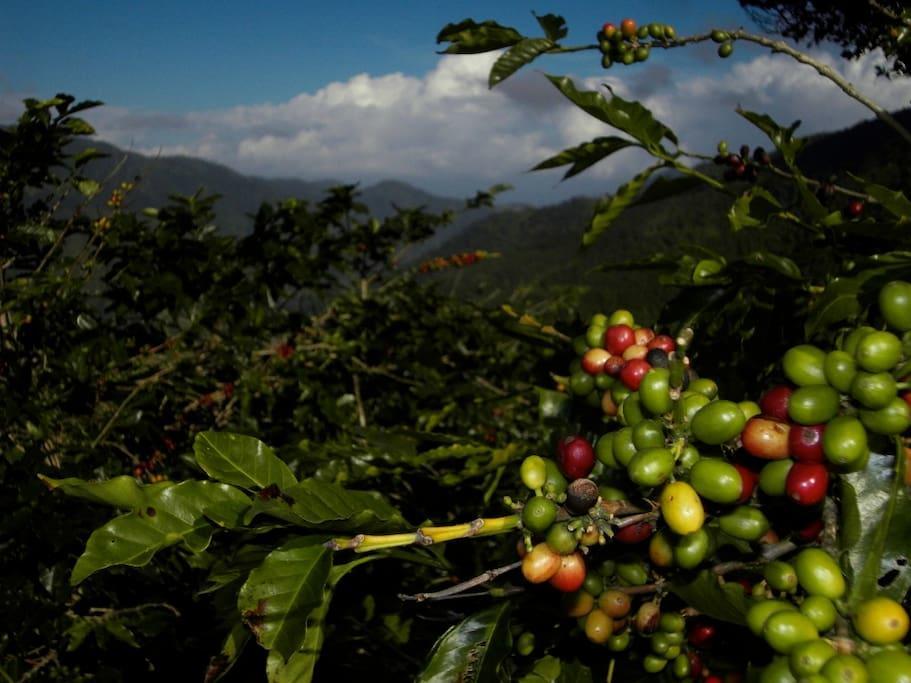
428,535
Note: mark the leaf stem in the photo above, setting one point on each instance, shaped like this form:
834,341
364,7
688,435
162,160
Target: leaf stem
428,535
478,580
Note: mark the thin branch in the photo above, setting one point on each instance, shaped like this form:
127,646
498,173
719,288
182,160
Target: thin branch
479,580
361,414
428,535
888,13
767,554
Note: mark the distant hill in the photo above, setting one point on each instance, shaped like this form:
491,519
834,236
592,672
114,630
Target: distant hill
241,194
541,246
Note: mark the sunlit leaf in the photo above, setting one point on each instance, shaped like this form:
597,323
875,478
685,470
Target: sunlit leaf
472,651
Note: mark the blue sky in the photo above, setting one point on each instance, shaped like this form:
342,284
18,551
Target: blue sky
355,91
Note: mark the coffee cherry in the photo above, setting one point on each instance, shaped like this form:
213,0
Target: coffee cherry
634,533
533,472
725,50
648,617
663,342
750,481
616,604
881,621
628,28
744,522
540,564
618,337
570,575
702,633
774,402
538,514
895,304
889,666
561,540
766,439
716,480
717,422
525,643
807,483
682,508
581,495
593,361
780,576
787,629
609,30
820,610
720,36
819,574
575,457
633,372
855,208
805,442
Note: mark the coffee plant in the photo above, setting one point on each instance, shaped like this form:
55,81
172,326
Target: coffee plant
720,496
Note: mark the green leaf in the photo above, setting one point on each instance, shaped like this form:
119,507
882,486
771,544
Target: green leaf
87,155
121,492
585,155
321,505
79,127
520,54
893,201
88,187
170,515
628,116
470,37
780,264
279,595
723,601
233,645
553,25
741,214
550,669
783,138
876,525
838,302
300,667
471,651
610,207
241,460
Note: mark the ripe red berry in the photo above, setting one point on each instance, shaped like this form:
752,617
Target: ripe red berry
663,342
810,532
774,402
571,574
608,30
635,533
628,28
138,471
695,664
614,365
632,373
750,482
807,483
644,335
617,338
805,442
855,208
702,633
575,457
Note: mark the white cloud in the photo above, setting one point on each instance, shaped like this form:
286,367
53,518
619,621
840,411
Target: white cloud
447,132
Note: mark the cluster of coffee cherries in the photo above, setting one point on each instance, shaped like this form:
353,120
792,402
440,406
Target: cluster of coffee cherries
838,400
572,544
797,607
629,42
682,478
460,260
726,43
742,166
613,357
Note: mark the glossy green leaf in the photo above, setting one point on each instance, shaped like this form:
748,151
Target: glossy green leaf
178,514
470,37
231,649
279,595
320,505
473,650
837,303
300,667
551,669
87,155
706,593
241,460
88,188
893,201
783,138
627,116
745,214
122,492
876,521
585,155
79,126
553,25
780,264
609,208
520,54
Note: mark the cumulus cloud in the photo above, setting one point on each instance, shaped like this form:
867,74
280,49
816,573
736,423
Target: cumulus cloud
446,132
